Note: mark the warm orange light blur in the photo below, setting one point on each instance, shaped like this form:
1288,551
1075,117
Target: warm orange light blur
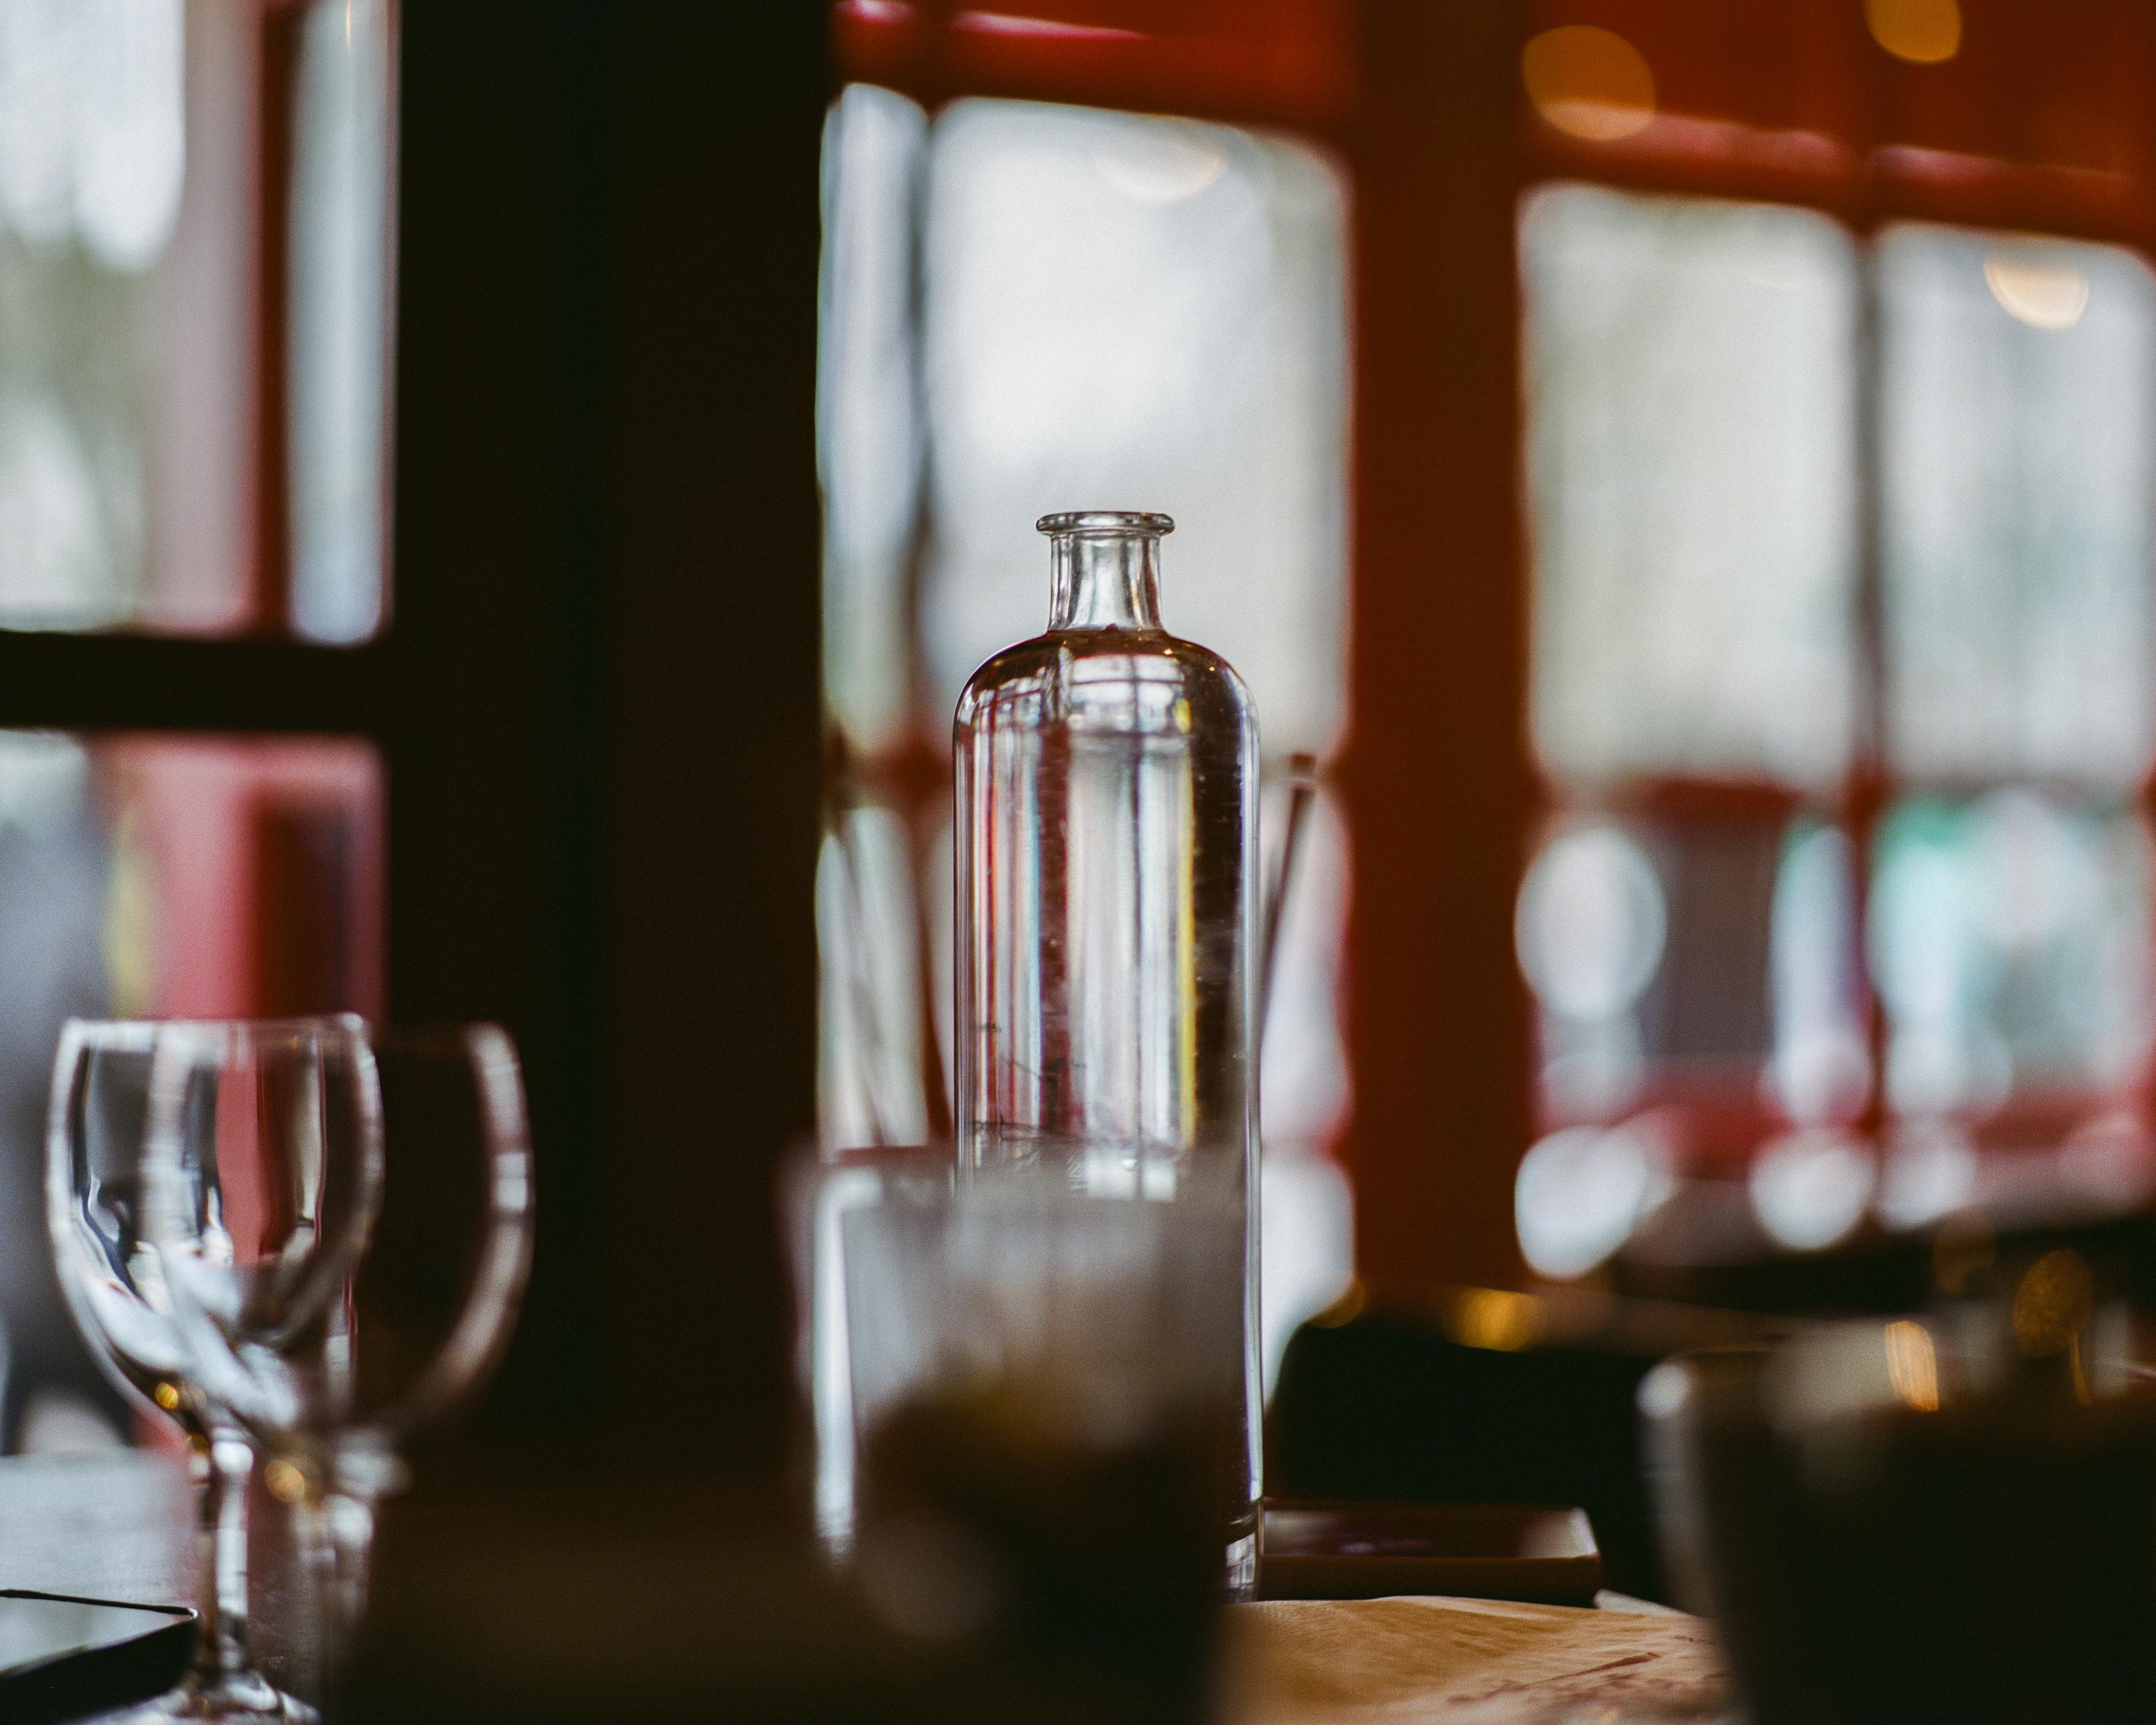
1591,82
1492,1318
1913,1366
285,1482
1344,1309
1963,1253
1923,31
2044,296
2054,1302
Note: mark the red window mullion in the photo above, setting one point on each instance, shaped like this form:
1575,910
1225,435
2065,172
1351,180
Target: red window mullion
1436,780
1285,63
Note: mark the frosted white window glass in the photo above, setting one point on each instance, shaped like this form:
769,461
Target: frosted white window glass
130,384
868,433
1690,410
1127,312
2018,432
92,151
2010,937
339,306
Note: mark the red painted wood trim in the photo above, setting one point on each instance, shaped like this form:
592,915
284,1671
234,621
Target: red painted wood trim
1436,780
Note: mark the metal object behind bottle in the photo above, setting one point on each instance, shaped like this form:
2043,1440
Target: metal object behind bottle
1107,913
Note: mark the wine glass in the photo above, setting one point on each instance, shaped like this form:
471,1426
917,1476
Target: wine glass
427,1314
110,1146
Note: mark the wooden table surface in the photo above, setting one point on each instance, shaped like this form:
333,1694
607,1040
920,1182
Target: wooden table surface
496,1602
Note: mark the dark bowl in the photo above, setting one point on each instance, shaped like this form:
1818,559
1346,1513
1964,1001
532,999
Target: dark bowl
1892,1523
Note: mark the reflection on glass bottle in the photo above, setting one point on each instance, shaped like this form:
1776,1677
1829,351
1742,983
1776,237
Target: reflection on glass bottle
1106,912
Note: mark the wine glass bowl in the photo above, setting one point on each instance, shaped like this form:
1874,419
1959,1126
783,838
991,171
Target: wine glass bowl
433,1305
109,1272
263,1173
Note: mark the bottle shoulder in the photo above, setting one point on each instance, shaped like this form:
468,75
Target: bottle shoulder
1073,672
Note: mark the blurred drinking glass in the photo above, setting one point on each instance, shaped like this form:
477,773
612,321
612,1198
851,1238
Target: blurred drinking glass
1040,1413
1943,1516
277,1165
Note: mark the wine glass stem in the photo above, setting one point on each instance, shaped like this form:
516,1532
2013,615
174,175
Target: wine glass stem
351,1522
225,1471
311,1520
336,1531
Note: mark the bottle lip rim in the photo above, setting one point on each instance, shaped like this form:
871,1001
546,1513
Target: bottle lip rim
1104,521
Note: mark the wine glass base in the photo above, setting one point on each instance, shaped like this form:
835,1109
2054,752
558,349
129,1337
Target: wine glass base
243,1699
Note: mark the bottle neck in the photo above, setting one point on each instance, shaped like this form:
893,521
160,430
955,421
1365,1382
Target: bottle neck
1104,580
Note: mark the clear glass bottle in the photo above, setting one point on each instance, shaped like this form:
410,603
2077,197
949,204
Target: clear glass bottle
1107,905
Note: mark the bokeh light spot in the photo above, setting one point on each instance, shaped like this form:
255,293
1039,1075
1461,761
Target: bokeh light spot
1591,923
1923,32
1163,163
1496,1319
1588,82
1578,1193
1912,1365
2054,1303
2042,294
1809,1188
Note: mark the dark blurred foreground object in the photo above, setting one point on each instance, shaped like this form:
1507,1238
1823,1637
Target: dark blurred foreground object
975,1599
1072,1548
1070,1319
1953,1518
1031,1434
1703,1249
1486,1397
656,1602
1529,1553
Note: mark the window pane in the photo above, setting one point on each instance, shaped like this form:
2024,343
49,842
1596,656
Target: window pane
160,876
339,365
875,994
1690,412
1695,959
133,151
1135,313
2018,449
867,421
92,144
2011,940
